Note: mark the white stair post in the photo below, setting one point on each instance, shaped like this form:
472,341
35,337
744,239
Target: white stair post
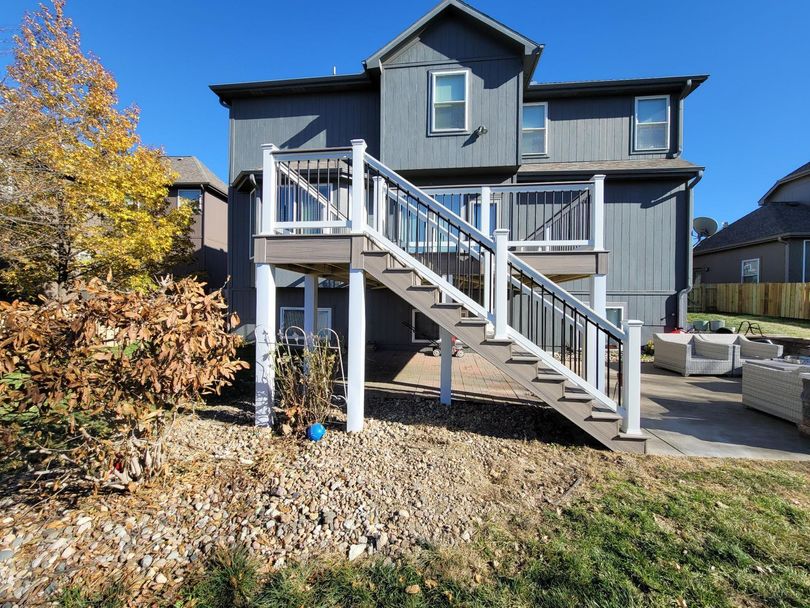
379,203
631,379
446,385
357,205
598,213
310,306
486,229
501,282
355,394
265,330
595,368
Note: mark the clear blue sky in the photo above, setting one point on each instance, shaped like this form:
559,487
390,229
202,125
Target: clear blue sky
749,124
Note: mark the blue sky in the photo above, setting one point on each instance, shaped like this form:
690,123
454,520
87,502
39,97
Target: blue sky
749,124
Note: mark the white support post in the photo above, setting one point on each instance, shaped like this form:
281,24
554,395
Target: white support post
265,330
357,351
598,213
310,306
486,229
595,367
357,206
631,379
501,282
379,204
446,379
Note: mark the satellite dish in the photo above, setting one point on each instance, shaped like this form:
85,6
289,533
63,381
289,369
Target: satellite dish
704,227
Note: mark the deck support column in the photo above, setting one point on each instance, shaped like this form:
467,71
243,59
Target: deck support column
310,306
355,394
501,283
265,334
631,380
596,345
446,379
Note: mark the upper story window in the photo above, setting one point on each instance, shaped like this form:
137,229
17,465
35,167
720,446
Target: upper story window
750,271
535,128
189,196
449,101
652,123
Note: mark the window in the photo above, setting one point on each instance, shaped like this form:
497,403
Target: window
189,196
535,127
750,271
615,314
423,329
652,123
294,317
806,262
449,93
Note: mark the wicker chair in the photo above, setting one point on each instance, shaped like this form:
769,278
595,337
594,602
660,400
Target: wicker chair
774,387
691,354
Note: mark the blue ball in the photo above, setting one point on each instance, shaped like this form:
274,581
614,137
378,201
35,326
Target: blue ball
315,432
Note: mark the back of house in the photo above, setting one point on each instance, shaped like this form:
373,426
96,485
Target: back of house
451,101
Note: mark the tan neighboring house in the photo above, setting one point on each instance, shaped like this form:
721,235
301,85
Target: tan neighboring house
197,185
769,245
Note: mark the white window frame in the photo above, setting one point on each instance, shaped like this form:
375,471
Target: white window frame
433,130
804,260
636,123
414,339
622,306
284,309
523,129
199,196
742,267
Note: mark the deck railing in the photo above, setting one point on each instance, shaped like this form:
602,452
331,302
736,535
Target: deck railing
346,190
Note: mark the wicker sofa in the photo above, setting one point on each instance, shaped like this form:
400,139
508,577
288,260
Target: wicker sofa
774,387
714,354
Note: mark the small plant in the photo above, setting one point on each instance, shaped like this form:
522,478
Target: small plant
231,580
306,379
649,348
111,596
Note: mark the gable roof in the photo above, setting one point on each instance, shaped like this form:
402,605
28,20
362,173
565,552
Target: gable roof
531,49
766,223
191,172
802,171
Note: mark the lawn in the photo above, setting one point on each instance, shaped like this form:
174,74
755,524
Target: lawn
655,532
771,326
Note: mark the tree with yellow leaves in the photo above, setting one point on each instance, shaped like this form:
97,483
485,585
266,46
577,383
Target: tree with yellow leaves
80,195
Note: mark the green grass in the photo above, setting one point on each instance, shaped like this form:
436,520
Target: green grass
773,326
112,596
713,535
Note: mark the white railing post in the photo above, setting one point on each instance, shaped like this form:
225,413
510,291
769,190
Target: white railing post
598,213
631,379
501,282
379,203
265,328
486,230
357,206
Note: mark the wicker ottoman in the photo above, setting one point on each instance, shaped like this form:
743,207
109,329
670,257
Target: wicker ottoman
774,387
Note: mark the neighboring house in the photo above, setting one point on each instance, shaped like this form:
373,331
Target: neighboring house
629,130
769,245
197,185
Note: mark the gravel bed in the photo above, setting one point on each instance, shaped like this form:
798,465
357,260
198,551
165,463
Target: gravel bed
419,475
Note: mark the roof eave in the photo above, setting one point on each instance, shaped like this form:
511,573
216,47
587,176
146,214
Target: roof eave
226,92
785,180
673,84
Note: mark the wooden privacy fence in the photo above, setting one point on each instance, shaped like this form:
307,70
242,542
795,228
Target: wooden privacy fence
788,300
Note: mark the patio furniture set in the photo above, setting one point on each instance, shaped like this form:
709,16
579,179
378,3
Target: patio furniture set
769,383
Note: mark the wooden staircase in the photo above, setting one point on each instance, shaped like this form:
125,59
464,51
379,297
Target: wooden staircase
522,367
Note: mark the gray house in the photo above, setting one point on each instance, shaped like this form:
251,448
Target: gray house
769,245
514,130
551,213
197,185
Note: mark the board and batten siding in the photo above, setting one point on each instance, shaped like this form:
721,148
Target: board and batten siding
596,128
646,223
495,91
314,120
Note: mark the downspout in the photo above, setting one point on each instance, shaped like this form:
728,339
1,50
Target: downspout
687,88
782,240
683,294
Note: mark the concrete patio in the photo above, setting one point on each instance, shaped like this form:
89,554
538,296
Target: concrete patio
696,416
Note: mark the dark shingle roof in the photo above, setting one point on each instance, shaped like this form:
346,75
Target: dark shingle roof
664,165
800,172
765,223
191,171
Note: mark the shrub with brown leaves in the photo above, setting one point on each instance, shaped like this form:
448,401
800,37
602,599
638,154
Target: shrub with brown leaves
93,376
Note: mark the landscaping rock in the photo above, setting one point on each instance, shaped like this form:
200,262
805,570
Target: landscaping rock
356,551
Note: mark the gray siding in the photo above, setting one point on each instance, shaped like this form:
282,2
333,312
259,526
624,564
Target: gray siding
301,121
726,266
596,128
645,231
495,93
792,192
